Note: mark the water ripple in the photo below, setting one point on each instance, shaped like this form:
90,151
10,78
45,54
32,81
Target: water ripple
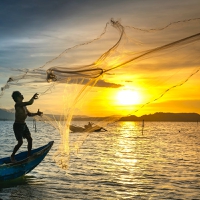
121,163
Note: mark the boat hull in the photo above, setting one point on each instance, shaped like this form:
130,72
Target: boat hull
24,164
76,128
80,129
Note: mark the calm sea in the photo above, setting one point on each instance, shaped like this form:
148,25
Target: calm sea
122,163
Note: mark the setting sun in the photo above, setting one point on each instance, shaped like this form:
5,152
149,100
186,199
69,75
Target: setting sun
128,97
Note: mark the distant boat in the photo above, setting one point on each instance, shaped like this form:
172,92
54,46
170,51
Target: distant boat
23,164
94,128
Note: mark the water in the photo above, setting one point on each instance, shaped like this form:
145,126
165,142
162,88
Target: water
163,163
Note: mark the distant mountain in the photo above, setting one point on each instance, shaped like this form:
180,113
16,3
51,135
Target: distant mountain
9,115
6,115
172,117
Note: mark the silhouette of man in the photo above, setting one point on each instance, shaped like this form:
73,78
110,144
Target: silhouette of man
20,128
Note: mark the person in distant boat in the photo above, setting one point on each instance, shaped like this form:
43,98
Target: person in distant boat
20,128
88,126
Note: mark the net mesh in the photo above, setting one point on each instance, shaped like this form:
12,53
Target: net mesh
67,84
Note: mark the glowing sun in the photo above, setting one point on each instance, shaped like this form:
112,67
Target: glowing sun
128,97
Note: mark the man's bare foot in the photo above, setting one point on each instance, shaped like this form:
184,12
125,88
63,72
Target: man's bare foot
29,155
12,159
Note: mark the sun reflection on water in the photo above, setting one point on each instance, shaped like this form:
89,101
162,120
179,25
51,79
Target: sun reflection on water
128,156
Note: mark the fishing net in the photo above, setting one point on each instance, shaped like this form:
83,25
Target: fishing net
84,80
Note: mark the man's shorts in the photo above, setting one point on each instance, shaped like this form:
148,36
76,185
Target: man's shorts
21,130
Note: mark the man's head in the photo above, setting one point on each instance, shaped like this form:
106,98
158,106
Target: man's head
17,96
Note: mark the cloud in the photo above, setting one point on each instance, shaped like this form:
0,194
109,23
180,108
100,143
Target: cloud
100,83
33,31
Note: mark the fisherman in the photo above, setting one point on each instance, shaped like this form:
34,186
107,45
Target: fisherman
88,126
20,128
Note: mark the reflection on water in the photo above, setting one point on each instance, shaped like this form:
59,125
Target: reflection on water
19,181
163,163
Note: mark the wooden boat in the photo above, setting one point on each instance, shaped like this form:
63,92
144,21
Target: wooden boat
23,164
95,128
74,128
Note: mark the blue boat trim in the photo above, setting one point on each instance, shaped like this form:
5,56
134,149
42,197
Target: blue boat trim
24,164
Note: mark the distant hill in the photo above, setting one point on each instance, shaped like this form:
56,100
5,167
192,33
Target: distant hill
172,117
9,115
6,115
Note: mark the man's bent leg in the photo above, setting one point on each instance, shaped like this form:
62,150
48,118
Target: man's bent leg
16,148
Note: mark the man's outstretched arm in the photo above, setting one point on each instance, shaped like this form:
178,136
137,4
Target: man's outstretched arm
34,114
30,102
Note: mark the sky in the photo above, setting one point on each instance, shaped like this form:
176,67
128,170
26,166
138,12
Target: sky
35,31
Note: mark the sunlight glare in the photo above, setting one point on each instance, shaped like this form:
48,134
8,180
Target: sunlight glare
128,97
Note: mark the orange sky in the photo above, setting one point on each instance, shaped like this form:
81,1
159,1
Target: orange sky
149,76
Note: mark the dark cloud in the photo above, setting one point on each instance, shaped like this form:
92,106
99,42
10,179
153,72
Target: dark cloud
128,81
22,15
100,83
19,16
22,22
